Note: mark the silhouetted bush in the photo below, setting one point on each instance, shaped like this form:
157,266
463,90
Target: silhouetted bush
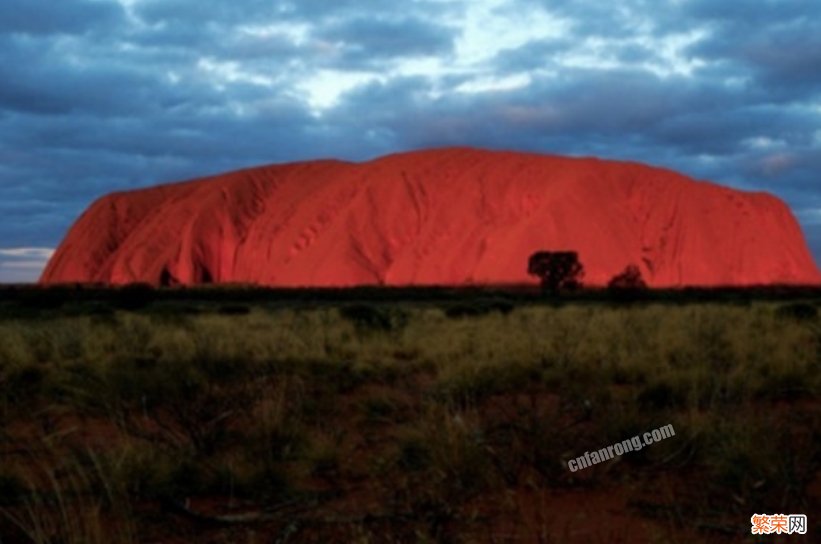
43,298
557,270
628,280
133,296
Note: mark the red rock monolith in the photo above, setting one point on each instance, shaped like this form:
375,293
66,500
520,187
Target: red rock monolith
439,217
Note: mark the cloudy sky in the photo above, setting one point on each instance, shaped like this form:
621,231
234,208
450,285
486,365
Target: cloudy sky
103,95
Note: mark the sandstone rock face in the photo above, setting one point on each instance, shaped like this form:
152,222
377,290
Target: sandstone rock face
439,217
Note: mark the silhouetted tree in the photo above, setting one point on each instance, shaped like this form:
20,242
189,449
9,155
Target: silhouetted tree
558,270
628,280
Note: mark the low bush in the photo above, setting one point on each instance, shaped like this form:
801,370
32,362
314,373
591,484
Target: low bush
479,307
374,318
800,311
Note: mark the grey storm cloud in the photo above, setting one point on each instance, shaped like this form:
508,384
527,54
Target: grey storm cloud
223,12
226,12
104,95
63,17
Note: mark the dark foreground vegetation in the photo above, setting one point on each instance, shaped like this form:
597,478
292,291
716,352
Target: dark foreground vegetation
418,415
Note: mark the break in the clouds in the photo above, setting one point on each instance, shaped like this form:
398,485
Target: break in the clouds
104,95
18,264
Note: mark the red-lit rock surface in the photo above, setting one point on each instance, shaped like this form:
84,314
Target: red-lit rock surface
450,216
